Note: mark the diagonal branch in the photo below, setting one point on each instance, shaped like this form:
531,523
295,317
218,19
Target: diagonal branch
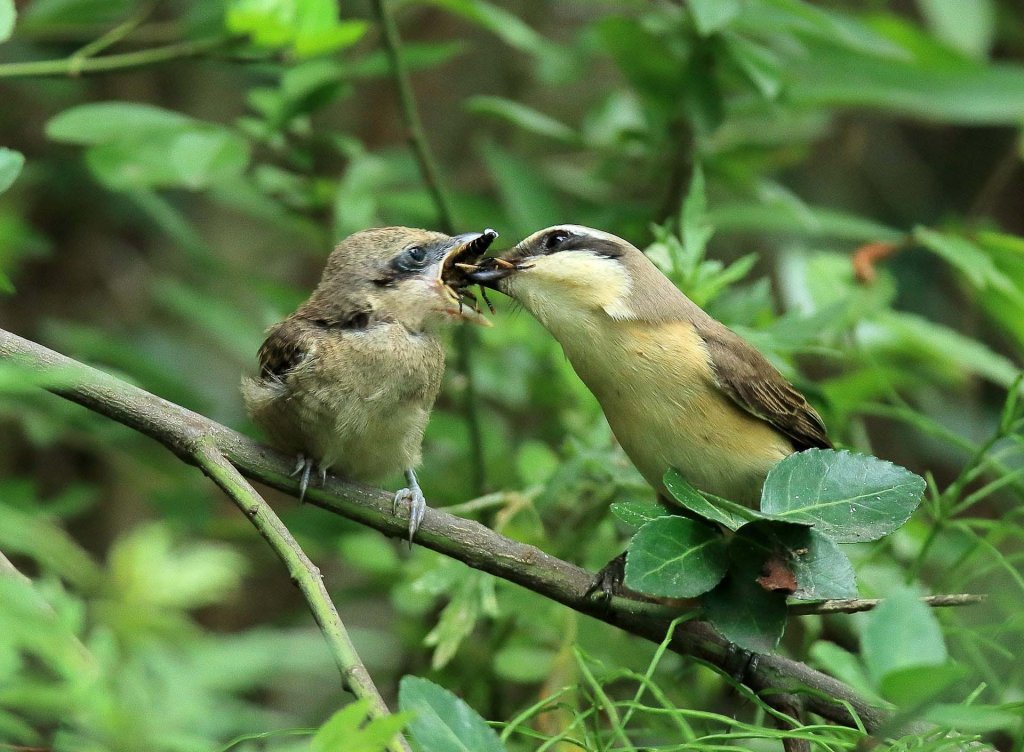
185,432
304,574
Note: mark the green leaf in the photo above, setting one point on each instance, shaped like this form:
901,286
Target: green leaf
909,338
900,633
976,265
783,218
845,666
194,157
915,686
351,730
977,719
689,497
710,16
638,513
954,91
11,162
675,557
522,116
745,613
819,567
309,27
967,27
8,14
848,497
758,63
107,122
442,722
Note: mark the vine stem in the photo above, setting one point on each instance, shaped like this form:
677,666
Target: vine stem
304,574
77,65
420,146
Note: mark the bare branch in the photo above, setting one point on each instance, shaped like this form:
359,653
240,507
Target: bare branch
854,605
182,431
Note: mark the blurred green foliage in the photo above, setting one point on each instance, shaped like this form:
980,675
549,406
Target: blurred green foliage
183,196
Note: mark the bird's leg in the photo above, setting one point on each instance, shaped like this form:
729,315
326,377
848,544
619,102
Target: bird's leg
304,466
417,503
608,581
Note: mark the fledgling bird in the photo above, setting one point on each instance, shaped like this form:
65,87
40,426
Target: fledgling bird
678,388
347,382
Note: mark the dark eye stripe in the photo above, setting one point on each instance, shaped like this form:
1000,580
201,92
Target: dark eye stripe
559,241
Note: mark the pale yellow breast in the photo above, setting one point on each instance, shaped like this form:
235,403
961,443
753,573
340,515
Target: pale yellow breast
656,387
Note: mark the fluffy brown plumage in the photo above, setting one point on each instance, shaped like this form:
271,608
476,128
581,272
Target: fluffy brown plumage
348,380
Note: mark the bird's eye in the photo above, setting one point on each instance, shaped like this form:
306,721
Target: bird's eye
417,254
554,239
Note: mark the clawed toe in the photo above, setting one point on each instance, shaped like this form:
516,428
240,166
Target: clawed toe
417,503
305,466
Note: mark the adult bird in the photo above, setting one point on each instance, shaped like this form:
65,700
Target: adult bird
348,380
679,389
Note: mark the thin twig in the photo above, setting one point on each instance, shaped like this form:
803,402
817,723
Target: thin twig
304,574
855,605
181,430
75,65
465,337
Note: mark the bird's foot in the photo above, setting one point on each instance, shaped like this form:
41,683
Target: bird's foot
739,663
305,466
608,581
417,503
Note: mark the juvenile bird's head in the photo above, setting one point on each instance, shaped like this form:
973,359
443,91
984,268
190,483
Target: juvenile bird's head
567,270
395,273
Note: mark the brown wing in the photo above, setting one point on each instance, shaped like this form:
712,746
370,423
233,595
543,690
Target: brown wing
287,345
755,385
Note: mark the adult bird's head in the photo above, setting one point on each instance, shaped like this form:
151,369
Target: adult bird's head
396,274
567,271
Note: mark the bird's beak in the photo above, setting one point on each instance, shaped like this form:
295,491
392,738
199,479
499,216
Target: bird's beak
463,256
465,250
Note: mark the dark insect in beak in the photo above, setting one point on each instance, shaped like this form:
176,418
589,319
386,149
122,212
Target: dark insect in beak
461,261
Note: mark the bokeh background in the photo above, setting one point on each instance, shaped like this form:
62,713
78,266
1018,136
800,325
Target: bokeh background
168,212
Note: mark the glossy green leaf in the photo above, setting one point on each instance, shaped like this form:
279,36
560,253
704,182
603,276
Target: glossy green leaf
692,499
637,513
675,557
848,497
8,14
819,567
901,632
710,16
11,163
107,122
442,722
745,613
